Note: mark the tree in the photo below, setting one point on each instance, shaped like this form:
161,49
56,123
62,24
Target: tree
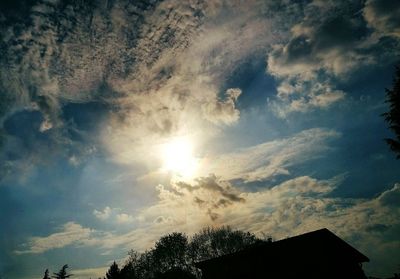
62,274
113,272
174,255
211,242
392,117
176,273
170,252
46,274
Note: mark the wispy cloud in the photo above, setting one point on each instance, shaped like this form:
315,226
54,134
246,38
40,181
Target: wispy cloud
270,159
70,233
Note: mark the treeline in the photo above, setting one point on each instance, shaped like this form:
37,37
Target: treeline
174,255
62,274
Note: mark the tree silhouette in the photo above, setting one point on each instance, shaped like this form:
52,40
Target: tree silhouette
139,265
113,272
46,274
210,242
176,273
62,274
170,252
392,117
174,255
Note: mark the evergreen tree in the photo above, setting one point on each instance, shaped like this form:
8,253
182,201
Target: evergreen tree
46,274
113,272
392,117
62,274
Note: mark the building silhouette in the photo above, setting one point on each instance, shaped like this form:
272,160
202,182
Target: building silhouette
314,255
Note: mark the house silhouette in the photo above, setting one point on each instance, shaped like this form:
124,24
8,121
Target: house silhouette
314,255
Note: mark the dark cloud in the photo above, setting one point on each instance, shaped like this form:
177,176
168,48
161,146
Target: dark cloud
213,184
209,193
377,228
383,15
213,216
329,43
319,45
198,201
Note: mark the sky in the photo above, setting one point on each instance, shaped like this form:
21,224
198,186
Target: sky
122,121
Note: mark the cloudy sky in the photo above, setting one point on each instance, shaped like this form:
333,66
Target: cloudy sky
121,121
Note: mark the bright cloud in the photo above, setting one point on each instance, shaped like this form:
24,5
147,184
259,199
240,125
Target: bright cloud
113,215
270,159
104,214
69,233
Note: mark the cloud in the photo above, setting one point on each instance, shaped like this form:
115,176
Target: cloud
156,68
181,94
377,228
159,68
305,185
97,272
124,218
292,97
69,234
270,159
113,214
330,42
383,16
209,193
104,214
224,111
191,206
391,197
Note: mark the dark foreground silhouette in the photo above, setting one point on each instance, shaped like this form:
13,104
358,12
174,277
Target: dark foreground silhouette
224,253
318,254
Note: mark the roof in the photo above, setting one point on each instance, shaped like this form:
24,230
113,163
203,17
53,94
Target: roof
319,244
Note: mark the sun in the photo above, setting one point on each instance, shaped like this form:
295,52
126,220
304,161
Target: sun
177,156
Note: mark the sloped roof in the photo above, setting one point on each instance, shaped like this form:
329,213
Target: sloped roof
319,244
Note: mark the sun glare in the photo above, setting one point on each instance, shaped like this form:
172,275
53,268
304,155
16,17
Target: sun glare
178,157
